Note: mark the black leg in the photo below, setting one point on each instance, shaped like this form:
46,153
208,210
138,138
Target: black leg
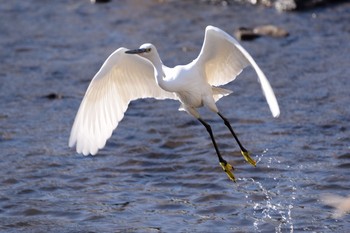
227,123
244,151
225,165
207,126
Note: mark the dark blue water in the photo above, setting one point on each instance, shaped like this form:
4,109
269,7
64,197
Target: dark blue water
159,171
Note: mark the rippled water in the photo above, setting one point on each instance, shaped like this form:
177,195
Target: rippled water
159,172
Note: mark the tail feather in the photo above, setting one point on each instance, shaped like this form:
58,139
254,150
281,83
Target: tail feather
218,93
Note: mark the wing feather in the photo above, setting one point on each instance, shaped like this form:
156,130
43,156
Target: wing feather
224,59
121,79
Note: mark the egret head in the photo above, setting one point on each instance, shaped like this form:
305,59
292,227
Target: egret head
149,52
143,50
146,50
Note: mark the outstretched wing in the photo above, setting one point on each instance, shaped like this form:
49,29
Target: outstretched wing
121,79
224,59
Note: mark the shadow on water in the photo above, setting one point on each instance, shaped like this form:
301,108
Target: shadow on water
159,172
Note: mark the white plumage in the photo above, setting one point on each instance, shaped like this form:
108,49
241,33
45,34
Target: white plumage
121,79
128,75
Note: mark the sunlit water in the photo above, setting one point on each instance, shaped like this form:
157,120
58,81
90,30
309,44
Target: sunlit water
159,171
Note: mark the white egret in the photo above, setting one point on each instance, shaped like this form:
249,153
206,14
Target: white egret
128,75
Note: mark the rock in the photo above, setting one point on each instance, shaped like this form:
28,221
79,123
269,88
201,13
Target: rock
270,30
99,1
289,5
285,5
243,33
282,5
53,96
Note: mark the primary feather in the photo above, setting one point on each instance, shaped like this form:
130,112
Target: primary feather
224,59
121,79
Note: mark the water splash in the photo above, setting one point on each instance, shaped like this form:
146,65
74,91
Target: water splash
268,209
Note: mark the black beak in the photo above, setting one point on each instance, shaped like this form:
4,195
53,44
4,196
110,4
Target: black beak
136,51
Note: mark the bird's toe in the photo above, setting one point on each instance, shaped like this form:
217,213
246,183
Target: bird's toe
247,157
228,170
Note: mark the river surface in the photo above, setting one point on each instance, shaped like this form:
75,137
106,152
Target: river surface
159,171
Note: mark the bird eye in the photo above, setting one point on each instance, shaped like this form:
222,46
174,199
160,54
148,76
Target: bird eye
148,50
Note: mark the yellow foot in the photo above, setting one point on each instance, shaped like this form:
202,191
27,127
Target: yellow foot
228,169
248,158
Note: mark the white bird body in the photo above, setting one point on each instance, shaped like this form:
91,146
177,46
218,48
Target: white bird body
126,77
189,86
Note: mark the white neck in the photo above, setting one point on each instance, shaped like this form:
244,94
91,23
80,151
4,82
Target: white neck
158,70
